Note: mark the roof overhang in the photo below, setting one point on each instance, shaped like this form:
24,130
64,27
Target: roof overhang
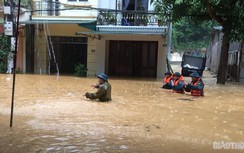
132,30
116,33
59,20
56,21
104,29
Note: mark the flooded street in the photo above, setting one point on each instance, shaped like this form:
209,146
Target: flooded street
52,115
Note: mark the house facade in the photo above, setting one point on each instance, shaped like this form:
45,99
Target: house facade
120,38
235,67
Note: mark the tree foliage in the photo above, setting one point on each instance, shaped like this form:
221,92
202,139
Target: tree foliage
26,3
227,13
4,53
190,36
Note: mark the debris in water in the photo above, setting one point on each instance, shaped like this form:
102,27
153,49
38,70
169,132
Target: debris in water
123,147
186,99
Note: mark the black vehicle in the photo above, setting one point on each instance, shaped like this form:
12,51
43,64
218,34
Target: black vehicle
193,62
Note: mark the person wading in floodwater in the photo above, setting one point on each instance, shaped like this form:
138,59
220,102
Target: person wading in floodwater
168,80
196,86
178,84
103,89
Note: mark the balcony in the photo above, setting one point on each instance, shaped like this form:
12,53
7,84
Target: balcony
127,18
129,22
56,10
105,21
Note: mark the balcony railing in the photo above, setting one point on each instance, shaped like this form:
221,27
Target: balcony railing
104,16
127,18
46,8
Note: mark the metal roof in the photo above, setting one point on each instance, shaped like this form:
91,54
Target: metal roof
134,30
56,21
105,29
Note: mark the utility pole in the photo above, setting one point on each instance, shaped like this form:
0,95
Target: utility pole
11,29
16,33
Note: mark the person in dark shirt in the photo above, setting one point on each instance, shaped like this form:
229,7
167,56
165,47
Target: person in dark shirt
196,86
103,87
168,80
178,84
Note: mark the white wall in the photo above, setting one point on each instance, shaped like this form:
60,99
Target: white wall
89,2
80,12
111,4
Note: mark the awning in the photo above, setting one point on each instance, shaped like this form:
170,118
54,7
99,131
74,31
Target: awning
117,32
104,29
132,30
89,25
58,22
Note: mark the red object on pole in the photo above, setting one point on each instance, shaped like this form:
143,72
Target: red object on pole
14,67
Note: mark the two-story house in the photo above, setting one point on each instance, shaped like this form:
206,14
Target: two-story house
119,37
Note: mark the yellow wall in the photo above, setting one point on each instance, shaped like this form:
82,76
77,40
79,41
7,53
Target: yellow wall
92,56
102,49
64,29
40,56
20,61
41,50
97,49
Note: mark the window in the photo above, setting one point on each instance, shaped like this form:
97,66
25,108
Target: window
137,5
134,12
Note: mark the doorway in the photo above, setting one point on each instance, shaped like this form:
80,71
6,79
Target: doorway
68,51
133,58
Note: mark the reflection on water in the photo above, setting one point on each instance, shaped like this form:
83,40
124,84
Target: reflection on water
52,115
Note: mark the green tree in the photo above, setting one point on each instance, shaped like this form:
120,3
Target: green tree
190,36
4,52
26,3
227,13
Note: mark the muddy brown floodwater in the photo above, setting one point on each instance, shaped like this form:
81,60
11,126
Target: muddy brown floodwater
52,115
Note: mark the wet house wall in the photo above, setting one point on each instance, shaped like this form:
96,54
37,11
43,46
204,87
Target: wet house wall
235,68
51,44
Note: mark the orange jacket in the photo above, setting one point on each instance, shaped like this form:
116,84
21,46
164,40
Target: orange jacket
167,79
198,92
176,83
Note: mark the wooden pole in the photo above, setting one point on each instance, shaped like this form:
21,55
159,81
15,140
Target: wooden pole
14,67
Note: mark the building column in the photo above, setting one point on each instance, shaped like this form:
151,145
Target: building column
41,54
92,56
